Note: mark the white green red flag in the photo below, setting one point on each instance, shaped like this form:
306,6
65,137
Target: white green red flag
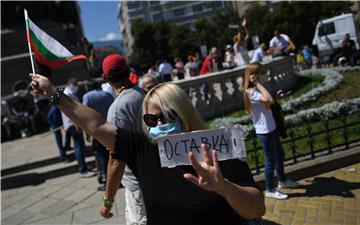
48,51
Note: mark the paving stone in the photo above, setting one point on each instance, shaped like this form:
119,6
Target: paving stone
349,203
80,195
62,193
59,207
329,220
325,207
8,211
88,215
44,204
18,218
311,211
8,193
65,181
37,217
297,222
61,219
47,191
8,202
300,212
311,219
27,202
323,213
352,211
285,220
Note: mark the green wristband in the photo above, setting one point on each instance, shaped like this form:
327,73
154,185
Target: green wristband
107,202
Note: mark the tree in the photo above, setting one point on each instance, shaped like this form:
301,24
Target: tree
182,42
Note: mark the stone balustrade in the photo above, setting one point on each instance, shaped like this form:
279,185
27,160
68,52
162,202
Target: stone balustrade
222,89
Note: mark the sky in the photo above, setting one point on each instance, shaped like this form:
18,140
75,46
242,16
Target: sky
99,19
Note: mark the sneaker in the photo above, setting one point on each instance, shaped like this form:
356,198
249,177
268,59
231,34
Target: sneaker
66,148
288,184
101,187
87,174
65,159
275,194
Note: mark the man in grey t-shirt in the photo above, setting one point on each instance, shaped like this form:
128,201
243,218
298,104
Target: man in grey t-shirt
124,112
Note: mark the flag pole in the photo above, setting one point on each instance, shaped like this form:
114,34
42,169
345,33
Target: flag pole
28,39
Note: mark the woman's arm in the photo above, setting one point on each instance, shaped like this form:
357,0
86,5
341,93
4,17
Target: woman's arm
266,97
247,33
86,118
246,201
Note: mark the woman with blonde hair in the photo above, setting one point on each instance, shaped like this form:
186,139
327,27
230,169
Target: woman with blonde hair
210,192
257,103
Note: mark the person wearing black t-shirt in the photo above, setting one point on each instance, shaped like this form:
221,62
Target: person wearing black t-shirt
349,49
210,192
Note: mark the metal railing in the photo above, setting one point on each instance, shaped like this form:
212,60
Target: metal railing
310,140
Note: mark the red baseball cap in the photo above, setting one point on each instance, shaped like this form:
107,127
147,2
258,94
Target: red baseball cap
115,66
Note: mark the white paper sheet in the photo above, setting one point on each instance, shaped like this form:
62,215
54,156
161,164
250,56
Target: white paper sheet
228,142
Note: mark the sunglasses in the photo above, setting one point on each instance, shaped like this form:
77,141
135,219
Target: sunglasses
151,120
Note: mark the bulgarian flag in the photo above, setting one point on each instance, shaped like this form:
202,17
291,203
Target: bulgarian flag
48,51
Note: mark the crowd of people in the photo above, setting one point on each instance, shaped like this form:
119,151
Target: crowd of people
207,192
123,116
235,55
124,129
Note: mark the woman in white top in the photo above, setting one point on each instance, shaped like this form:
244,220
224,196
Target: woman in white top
240,46
257,103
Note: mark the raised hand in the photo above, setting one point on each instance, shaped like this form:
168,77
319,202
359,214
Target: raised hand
41,85
209,176
244,22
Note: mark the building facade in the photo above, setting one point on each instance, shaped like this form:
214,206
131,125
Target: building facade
180,12
59,19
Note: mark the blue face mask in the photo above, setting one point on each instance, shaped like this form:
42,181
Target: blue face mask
165,129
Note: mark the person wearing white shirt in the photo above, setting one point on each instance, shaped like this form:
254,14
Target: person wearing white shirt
75,132
280,44
165,70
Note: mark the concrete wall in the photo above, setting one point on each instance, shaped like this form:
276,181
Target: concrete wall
224,95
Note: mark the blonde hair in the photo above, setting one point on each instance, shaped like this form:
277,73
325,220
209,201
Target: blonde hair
171,99
246,84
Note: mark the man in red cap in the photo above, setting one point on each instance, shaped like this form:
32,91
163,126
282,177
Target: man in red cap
125,112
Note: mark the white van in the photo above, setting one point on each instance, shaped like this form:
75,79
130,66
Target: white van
330,33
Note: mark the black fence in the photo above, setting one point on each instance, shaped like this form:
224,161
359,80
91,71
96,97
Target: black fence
310,140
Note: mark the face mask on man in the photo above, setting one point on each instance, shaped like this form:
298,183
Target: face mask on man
165,129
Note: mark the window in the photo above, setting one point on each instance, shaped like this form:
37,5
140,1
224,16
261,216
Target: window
157,16
197,8
208,4
154,3
327,28
134,5
218,4
179,12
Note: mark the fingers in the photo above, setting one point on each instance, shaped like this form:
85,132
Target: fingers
195,164
191,178
215,160
205,154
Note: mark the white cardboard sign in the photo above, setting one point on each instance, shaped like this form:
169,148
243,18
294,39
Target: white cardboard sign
228,142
